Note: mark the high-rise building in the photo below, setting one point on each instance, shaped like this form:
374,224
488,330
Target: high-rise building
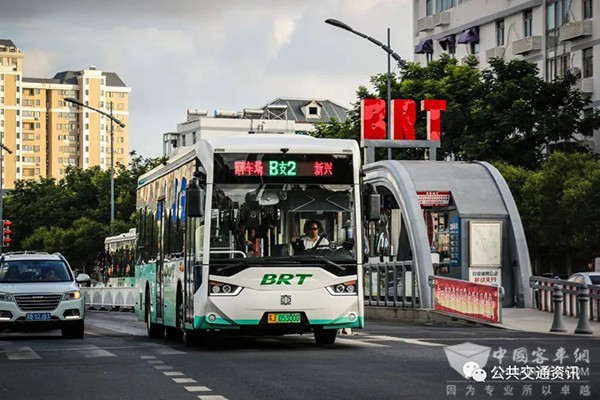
47,133
560,36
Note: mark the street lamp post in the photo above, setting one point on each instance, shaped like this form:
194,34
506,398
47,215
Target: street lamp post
3,148
112,153
390,54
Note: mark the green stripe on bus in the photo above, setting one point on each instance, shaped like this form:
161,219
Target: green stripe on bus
201,322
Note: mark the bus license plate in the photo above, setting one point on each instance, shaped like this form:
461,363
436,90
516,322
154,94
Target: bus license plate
38,316
284,318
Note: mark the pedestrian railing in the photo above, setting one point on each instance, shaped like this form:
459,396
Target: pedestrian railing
110,298
543,289
391,284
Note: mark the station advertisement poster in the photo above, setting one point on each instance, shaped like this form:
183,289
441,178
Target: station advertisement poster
473,300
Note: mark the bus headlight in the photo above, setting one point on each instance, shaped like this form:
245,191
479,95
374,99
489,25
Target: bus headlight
343,289
75,295
216,288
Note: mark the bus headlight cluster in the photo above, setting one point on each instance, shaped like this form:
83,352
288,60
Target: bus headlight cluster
343,289
217,288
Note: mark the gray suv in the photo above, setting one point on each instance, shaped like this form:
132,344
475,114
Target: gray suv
38,291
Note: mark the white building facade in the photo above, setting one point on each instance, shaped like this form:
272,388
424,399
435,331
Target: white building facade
559,36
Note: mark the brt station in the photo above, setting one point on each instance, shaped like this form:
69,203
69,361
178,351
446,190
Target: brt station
451,219
450,236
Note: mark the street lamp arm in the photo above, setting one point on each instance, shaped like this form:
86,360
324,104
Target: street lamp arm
107,115
9,151
387,49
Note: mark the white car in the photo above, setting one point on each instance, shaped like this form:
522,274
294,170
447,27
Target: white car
39,292
589,278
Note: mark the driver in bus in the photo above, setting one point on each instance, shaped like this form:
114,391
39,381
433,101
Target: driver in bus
312,238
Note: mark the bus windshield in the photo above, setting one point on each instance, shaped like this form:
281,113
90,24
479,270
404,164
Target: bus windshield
282,221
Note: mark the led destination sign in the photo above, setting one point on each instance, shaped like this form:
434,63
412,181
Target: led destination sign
283,168
243,168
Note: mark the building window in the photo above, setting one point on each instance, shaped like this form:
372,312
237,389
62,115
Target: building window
428,7
557,67
528,23
588,62
558,13
443,5
500,33
587,9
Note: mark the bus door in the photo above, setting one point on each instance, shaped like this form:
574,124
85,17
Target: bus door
160,258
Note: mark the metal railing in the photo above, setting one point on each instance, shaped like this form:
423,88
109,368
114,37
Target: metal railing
542,296
111,298
391,284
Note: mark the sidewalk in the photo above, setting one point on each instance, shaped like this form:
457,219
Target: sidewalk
533,320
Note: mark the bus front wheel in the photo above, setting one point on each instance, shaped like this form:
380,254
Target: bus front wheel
325,336
155,331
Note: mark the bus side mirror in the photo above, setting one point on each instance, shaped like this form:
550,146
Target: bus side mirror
195,201
373,204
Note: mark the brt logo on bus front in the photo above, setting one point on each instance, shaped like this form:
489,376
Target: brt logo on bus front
274,279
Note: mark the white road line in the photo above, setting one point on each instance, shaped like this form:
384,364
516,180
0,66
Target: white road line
96,352
148,357
155,362
173,373
184,380
212,397
22,353
163,367
399,339
197,389
168,350
359,343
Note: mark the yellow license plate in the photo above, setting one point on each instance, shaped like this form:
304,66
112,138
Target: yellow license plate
284,318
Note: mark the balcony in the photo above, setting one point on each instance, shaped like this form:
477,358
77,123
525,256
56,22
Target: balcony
585,85
575,30
441,18
425,24
494,52
525,45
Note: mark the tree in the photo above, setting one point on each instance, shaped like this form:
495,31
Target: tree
557,204
72,215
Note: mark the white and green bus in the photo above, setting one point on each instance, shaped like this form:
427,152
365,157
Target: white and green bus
221,230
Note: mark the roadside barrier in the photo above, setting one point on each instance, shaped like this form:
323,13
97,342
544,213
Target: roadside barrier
579,300
110,298
391,284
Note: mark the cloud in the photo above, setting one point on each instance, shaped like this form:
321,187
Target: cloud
209,54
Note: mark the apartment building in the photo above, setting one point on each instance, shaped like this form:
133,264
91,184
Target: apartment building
296,116
560,36
46,133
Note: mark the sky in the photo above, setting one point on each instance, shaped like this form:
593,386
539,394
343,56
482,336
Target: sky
209,54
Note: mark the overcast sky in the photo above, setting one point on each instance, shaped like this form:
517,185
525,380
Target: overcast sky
208,54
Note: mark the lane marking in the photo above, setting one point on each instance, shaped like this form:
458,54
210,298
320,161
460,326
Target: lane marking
173,373
148,357
168,351
359,343
22,353
95,352
197,389
212,397
163,367
384,338
155,362
184,380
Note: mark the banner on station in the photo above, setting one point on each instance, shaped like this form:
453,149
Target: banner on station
473,300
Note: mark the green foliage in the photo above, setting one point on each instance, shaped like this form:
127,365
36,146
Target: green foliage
558,204
72,215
